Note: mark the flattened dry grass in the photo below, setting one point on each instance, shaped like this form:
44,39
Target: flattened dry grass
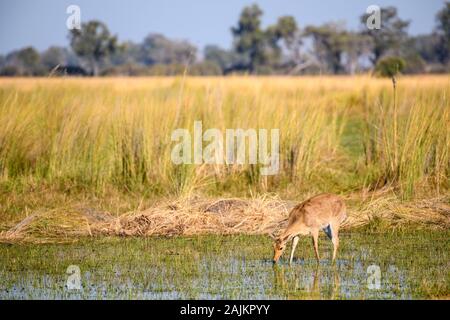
195,216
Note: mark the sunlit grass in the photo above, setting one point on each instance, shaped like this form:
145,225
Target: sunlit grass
336,133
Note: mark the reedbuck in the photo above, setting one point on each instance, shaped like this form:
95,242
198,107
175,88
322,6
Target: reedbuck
324,211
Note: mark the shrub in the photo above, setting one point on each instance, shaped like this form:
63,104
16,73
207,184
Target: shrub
389,66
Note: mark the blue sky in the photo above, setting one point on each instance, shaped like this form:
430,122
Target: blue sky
43,23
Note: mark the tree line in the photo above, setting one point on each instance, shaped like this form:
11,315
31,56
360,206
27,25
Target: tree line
280,48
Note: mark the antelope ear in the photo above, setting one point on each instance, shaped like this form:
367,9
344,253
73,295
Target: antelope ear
272,236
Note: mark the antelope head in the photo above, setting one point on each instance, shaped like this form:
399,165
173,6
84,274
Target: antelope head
279,246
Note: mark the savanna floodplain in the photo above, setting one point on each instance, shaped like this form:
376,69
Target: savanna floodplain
87,179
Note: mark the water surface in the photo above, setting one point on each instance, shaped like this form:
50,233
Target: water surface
394,265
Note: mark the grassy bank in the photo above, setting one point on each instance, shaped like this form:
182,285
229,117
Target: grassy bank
104,144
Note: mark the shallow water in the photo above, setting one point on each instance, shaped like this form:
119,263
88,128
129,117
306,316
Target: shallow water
410,264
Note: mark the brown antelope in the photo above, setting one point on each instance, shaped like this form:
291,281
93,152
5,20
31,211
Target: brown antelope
324,211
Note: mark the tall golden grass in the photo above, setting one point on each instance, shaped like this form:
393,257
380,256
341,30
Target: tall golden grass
336,133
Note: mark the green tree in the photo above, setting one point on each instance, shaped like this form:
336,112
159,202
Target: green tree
25,62
443,32
54,56
283,35
425,46
261,50
329,45
157,49
356,47
389,66
287,30
249,39
128,53
93,44
390,37
225,59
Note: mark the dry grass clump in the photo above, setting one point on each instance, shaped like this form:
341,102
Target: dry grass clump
194,216
190,217
51,226
394,212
